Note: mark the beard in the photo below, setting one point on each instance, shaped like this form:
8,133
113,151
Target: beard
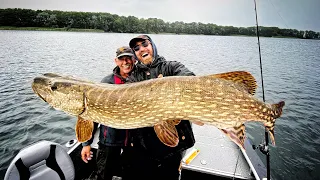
147,61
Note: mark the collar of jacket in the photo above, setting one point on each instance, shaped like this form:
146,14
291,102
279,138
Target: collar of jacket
116,72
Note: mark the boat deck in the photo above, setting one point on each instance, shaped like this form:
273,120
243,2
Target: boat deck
218,154
219,157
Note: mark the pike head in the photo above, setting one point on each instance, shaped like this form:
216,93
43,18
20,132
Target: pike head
61,93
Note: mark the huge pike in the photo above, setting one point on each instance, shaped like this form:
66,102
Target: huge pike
223,100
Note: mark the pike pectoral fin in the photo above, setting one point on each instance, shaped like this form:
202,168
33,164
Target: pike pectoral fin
236,134
167,133
199,123
84,129
174,122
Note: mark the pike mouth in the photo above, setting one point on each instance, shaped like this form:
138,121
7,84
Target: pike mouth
34,89
41,97
39,83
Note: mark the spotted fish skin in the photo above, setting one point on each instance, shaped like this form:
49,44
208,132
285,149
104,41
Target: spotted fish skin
208,99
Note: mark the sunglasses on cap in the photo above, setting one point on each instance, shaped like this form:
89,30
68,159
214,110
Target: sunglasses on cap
143,43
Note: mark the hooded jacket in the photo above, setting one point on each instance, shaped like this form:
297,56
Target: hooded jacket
146,139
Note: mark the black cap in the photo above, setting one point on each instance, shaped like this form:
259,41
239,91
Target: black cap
138,38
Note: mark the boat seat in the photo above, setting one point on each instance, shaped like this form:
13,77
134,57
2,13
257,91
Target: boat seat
43,160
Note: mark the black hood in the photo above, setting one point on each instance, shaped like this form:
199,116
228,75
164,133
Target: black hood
155,53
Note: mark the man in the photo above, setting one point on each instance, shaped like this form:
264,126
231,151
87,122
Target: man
111,140
148,157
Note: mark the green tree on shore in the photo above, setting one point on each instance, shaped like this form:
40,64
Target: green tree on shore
113,23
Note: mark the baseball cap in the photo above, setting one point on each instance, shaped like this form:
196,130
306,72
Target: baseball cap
124,51
138,38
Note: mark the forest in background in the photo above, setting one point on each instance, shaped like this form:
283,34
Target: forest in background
67,20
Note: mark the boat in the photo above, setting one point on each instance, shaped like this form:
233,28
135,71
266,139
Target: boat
217,158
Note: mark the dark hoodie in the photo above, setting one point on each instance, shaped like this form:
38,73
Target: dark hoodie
159,65
145,139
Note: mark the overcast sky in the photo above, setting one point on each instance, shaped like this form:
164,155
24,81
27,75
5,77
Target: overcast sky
292,14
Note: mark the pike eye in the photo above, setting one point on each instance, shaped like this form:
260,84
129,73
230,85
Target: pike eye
53,88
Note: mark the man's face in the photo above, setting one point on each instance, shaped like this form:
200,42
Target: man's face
125,64
144,52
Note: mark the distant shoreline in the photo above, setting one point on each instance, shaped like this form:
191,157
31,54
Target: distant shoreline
53,20
49,29
101,31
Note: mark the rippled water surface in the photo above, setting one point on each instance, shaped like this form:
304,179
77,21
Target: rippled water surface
291,72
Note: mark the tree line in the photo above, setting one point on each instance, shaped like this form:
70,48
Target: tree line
114,23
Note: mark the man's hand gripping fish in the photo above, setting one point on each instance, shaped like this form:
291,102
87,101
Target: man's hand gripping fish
222,100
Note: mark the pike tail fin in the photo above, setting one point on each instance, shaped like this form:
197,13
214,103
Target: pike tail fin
277,109
276,113
236,134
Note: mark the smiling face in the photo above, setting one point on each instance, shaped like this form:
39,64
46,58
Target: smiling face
144,51
125,63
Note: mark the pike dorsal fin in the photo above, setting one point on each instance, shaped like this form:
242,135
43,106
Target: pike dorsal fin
84,129
243,78
167,133
236,134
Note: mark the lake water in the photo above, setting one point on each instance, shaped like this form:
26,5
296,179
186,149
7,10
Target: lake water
291,73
